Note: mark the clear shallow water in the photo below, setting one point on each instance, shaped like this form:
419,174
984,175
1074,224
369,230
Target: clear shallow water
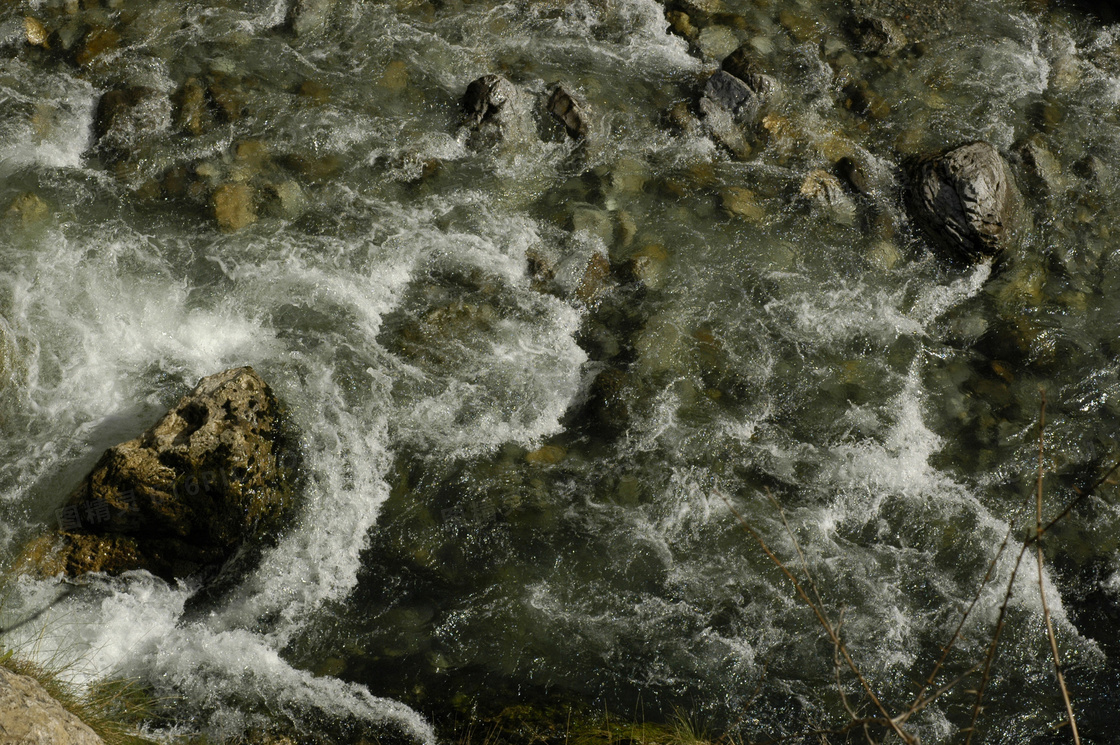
520,490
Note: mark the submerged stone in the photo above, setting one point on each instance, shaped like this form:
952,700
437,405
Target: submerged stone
213,475
234,206
966,201
827,193
309,16
875,35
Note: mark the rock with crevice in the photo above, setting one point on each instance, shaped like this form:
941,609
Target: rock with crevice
967,202
569,110
213,476
31,716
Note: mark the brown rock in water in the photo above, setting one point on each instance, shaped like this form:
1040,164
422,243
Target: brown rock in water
966,200
214,474
192,113
30,716
98,42
234,206
570,111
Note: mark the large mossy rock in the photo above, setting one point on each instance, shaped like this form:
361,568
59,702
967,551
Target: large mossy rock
29,716
215,474
967,202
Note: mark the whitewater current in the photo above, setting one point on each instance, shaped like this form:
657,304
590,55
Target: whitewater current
533,483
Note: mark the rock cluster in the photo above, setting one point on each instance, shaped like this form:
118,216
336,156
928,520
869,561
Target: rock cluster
213,475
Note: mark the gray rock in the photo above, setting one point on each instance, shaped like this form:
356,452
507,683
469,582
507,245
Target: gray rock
569,110
875,35
966,200
742,64
733,95
309,16
213,475
730,108
30,716
486,98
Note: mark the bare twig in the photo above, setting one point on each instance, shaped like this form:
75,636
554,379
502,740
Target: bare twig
991,655
1039,532
921,700
818,610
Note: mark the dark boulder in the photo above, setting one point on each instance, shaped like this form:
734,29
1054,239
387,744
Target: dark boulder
214,475
486,98
967,202
569,111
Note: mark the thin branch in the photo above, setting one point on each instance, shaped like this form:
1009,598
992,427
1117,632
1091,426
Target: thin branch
1039,532
991,655
818,611
920,701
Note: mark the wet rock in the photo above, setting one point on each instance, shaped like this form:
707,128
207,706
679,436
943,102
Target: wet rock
569,111
681,117
716,42
742,64
608,405
30,716
396,76
742,203
648,266
800,28
309,16
192,112
728,105
96,43
966,201
681,25
856,174
285,199
874,35
593,221
26,210
826,192
234,206
1044,173
734,95
124,115
486,98
546,455
596,279
227,95
35,32
215,474
315,92
860,98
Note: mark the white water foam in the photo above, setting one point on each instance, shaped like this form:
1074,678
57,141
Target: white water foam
45,119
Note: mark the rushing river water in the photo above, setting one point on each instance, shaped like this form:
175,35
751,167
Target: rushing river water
524,467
